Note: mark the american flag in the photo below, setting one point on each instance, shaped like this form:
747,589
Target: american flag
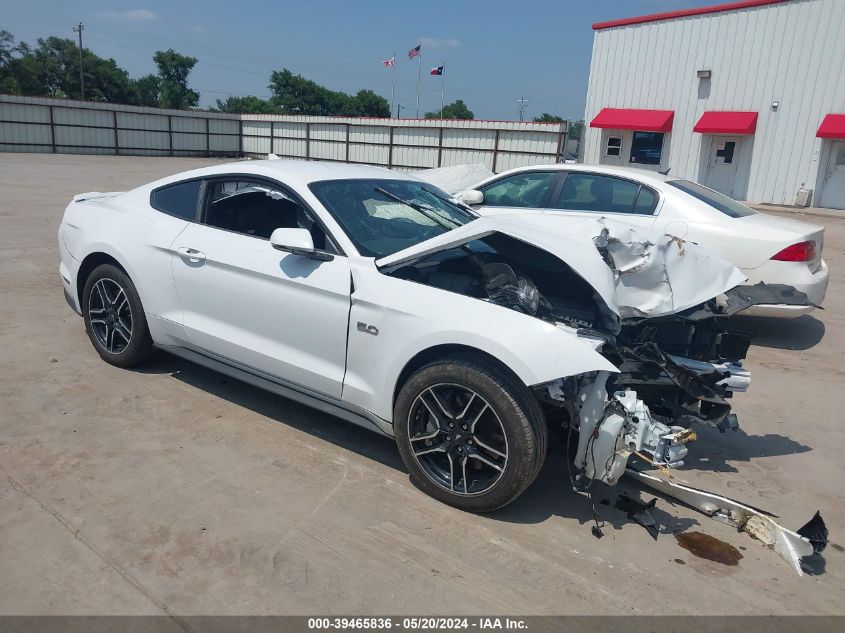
390,62
415,52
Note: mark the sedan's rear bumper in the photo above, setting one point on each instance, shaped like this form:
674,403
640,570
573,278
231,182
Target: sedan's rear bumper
798,275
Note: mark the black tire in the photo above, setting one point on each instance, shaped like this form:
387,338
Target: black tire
115,321
523,437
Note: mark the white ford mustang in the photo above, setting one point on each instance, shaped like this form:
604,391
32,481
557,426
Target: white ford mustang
372,295
767,248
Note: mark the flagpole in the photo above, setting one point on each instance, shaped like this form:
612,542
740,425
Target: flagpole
442,88
419,71
393,83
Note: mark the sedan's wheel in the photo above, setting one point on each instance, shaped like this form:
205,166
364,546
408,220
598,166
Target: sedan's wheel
470,435
114,317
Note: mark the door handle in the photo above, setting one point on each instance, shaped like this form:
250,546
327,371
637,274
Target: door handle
191,253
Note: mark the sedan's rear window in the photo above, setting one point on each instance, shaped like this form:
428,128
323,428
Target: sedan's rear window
718,201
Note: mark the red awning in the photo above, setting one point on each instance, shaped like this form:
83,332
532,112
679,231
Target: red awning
726,123
833,126
625,119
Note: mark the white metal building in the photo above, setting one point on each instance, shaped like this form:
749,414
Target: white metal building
747,98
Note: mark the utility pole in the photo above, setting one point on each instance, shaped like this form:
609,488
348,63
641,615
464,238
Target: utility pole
79,29
399,107
523,105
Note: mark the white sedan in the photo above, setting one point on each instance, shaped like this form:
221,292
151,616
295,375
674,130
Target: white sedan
767,248
371,295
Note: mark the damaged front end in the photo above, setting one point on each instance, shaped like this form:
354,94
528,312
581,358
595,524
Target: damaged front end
655,306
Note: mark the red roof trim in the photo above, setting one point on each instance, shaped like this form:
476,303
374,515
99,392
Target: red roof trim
833,126
631,119
714,122
668,15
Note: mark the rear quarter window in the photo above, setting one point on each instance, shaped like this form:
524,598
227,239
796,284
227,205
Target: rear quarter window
179,200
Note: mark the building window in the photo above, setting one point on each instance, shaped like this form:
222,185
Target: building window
614,146
725,151
647,148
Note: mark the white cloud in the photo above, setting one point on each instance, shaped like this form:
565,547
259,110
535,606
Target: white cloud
439,42
136,15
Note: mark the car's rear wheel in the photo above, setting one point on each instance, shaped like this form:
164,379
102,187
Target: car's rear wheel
470,434
114,317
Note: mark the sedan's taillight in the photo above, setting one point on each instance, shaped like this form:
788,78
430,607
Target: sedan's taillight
800,252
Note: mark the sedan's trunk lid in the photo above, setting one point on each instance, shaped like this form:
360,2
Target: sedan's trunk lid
791,231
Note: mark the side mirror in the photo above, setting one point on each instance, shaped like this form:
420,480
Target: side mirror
472,197
297,242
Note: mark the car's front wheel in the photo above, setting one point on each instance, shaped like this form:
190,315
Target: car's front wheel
114,317
470,434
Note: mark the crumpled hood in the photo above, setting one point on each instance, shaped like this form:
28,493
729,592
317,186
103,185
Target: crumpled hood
647,274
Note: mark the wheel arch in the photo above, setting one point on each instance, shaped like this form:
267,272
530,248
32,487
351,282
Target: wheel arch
448,350
89,263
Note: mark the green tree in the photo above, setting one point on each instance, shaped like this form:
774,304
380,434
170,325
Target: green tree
9,49
371,104
147,91
173,71
10,52
455,110
246,105
294,94
52,69
548,118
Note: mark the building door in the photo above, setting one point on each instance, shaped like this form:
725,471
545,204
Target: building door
833,190
721,170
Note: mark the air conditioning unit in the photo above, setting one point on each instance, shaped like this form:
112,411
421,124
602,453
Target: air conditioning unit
804,197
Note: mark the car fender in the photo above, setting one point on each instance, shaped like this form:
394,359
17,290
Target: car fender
139,242
382,341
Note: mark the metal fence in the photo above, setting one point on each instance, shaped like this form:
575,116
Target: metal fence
35,124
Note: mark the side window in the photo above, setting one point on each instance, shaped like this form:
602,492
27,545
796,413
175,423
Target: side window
647,148
257,209
604,194
614,146
520,190
179,200
646,201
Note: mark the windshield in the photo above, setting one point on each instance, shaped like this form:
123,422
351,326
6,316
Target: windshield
726,205
382,217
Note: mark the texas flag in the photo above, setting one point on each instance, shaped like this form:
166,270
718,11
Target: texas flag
438,70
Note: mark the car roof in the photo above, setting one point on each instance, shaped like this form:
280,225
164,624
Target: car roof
291,172
634,173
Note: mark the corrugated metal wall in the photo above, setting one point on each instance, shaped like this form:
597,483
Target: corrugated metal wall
792,53
32,124
29,124
404,143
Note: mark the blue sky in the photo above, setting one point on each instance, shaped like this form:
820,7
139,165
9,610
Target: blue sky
495,51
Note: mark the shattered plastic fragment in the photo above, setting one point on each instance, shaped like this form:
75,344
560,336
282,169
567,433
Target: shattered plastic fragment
639,513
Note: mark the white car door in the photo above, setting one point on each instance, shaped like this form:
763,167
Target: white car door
283,314
589,194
